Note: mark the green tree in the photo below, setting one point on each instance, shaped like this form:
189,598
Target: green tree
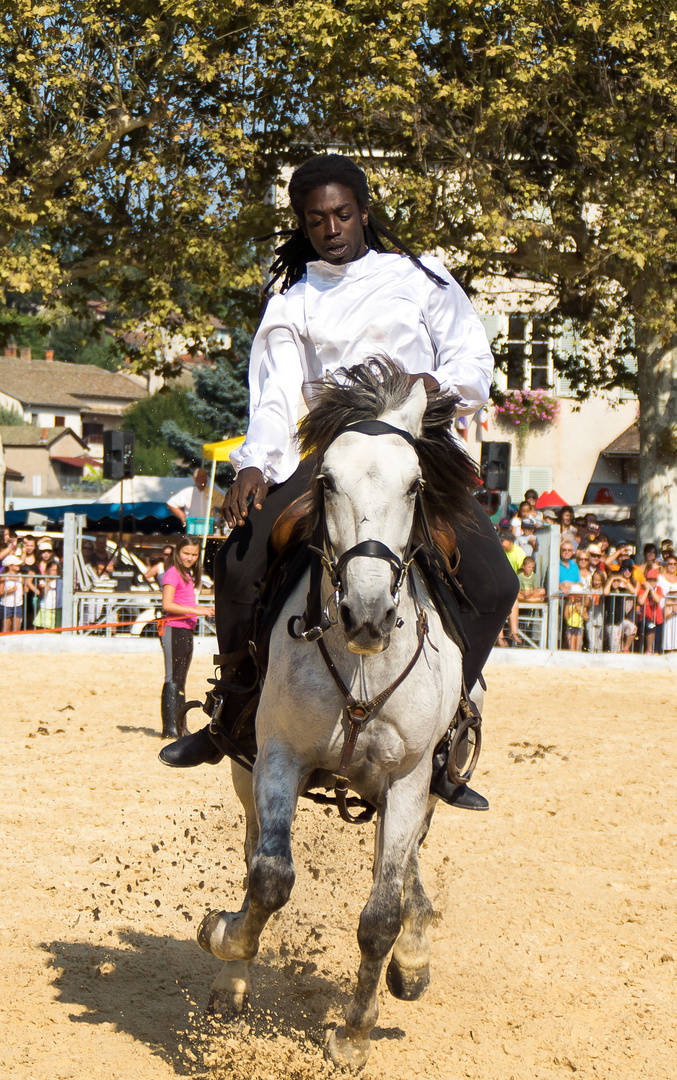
84,341
11,418
153,456
135,161
537,140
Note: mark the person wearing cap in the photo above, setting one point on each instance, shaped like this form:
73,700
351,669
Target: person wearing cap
667,549
594,552
11,594
45,556
620,592
527,539
650,612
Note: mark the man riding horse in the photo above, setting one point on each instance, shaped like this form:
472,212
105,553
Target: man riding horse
343,298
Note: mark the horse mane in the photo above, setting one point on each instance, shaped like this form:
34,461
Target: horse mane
366,392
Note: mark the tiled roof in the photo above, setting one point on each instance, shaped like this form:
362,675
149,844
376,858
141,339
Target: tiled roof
625,445
32,435
45,382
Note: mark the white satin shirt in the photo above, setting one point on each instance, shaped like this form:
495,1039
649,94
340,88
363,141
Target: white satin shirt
336,316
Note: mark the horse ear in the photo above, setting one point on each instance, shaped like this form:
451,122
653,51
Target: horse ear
410,415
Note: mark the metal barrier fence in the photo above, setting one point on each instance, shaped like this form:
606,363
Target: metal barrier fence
29,601
591,622
35,602
139,613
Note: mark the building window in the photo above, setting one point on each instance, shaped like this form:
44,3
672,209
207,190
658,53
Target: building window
529,354
92,432
59,421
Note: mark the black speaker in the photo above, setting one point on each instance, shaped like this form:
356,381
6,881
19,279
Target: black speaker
495,465
118,455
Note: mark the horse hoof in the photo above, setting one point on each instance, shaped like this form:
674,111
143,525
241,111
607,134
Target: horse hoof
348,1053
407,985
207,927
231,989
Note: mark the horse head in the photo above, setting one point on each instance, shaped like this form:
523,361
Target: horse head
370,488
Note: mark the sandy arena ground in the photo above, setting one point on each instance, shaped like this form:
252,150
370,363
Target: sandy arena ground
553,949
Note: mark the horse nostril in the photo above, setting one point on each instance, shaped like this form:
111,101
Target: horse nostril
389,618
345,616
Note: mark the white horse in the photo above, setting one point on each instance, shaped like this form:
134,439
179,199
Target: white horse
370,484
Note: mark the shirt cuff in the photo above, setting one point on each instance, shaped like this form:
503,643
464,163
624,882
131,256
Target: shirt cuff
251,457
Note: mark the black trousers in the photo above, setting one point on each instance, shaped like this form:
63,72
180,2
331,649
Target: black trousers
487,577
177,649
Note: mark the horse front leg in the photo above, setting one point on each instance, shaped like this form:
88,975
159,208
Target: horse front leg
408,974
269,799
231,988
398,830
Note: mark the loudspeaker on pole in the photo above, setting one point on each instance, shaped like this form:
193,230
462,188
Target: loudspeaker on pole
495,465
118,455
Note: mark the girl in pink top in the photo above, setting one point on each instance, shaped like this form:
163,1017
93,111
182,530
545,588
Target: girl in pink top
181,611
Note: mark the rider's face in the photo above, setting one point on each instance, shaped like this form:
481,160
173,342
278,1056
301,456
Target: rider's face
334,224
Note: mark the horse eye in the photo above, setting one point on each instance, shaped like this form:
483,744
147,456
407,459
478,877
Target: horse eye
416,487
327,482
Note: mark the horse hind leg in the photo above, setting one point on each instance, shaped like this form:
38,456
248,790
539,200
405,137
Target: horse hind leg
408,973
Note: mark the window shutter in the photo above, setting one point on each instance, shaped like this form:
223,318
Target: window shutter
492,324
539,477
517,486
565,344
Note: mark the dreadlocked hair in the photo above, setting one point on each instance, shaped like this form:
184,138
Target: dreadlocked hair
293,256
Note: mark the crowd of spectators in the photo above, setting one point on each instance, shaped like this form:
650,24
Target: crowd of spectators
30,582
612,598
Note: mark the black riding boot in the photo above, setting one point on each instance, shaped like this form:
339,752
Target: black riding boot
171,705
458,795
192,750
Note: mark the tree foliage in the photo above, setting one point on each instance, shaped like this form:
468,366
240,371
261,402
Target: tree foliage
130,167
220,400
153,456
530,138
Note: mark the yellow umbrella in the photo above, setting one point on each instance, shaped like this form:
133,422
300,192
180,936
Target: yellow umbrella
216,451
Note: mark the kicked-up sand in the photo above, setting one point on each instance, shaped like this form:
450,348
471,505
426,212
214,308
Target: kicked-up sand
554,946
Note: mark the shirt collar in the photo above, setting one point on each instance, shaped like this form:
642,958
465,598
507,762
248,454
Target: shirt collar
321,273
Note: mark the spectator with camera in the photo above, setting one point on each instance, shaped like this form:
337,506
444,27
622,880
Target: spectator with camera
620,593
650,612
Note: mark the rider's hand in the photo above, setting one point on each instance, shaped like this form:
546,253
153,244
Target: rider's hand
429,381
249,482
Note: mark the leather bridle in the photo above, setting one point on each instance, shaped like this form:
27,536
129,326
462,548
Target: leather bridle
357,713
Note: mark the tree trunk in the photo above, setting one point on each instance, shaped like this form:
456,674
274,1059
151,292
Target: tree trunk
657,387
2,485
